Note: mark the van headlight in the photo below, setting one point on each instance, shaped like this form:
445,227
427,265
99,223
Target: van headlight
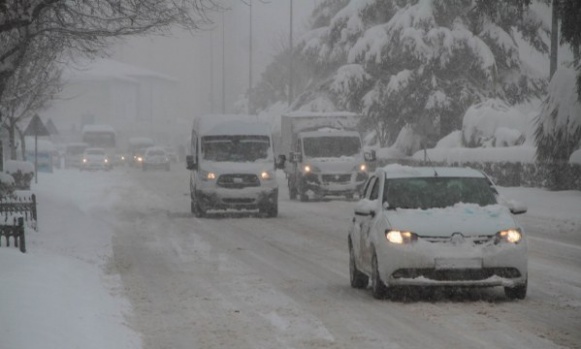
513,236
266,175
207,175
311,169
400,237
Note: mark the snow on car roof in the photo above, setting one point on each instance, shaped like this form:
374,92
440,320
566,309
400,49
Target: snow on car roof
401,171
231,124
300,114
98,128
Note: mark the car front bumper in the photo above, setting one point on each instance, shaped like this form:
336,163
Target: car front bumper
246,199
443,264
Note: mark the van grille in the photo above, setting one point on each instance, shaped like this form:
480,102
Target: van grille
238,181
336,178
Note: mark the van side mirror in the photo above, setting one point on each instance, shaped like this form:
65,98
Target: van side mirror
190,164
370,156
280,162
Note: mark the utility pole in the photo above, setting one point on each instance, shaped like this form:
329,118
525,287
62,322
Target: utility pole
554,38
223,67
211,72
250,61
290,70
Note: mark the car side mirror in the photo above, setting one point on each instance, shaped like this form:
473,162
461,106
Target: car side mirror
370,156
516,207
190,164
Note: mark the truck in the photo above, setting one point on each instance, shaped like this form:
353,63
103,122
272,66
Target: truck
232,165
325,154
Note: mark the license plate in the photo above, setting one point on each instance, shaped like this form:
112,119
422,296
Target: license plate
458,263
237,180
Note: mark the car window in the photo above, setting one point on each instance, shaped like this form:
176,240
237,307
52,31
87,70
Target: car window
436,192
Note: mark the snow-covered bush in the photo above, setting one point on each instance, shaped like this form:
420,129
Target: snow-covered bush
6,185
22,173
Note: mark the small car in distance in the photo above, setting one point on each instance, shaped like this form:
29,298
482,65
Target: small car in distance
155,158
430,227
95,159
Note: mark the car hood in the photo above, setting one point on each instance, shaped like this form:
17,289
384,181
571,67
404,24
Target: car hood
468,219
225,167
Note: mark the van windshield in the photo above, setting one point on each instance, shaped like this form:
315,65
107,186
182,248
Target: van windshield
331,146
235,148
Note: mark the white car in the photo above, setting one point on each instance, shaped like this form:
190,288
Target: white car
95,159
425,226
155,158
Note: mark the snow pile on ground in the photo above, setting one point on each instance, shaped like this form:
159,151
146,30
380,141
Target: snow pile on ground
58,294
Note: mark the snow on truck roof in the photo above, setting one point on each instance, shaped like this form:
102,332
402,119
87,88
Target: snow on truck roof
401,171
231,124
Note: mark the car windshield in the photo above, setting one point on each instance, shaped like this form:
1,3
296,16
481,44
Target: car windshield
235,148
334,146
434,192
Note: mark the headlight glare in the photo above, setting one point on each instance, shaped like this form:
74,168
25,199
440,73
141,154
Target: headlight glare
363,168
266,175
400,237
510,235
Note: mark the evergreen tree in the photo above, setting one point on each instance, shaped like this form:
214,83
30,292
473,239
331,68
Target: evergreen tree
425,61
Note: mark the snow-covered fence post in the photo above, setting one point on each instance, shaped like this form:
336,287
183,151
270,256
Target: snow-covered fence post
16,232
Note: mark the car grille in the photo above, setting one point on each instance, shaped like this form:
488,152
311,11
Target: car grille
336,178
238,201
456,274
238,181
475,240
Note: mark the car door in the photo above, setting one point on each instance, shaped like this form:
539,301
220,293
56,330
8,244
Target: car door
364,213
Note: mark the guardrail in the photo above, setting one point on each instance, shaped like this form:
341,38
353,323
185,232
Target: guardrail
14,232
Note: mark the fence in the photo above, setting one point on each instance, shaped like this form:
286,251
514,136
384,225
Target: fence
14,232
21,205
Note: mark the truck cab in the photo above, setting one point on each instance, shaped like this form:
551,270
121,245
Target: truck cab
232,165
326,155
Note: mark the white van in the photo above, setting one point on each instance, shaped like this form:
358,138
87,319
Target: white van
232,165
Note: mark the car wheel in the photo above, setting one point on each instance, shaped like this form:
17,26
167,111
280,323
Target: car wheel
357,278
378,288
269,211
518,292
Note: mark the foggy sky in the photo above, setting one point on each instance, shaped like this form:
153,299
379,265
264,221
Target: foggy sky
186,56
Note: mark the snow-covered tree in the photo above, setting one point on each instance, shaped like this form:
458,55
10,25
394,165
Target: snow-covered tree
424,62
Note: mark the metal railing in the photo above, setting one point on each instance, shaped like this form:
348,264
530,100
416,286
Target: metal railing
15,233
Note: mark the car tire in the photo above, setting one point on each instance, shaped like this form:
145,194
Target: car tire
357,278
518,292
269,211
378,288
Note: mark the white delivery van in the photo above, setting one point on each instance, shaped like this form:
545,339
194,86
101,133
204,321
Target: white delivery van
232,165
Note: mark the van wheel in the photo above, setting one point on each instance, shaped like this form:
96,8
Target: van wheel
196,209
357,278
269,211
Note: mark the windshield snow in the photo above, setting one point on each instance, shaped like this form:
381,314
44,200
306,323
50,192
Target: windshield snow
235,148
331,147
433,192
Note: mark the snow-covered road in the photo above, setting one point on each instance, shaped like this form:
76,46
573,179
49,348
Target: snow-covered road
249,282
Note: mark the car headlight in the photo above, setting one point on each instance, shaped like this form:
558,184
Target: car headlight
311,169
207,176
360,168
139,159
267,175
400,237
106,160
510,235
84,160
